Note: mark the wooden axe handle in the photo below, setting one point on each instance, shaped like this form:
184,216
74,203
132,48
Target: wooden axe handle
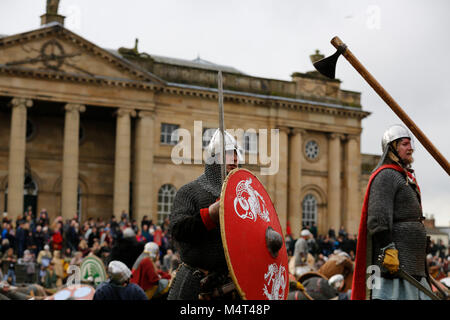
336,42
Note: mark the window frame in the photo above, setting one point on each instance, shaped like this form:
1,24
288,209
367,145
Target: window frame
166,132
305,149
251,145
165,207
309,210
211,132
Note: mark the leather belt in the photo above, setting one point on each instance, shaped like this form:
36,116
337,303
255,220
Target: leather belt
419,219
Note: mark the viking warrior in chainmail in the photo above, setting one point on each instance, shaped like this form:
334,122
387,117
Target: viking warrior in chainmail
194,225
391,233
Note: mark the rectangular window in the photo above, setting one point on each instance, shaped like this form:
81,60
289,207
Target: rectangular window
207,135
166,133
166,196
251,142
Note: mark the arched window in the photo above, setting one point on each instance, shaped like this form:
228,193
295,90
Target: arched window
166,195
29,186
309,206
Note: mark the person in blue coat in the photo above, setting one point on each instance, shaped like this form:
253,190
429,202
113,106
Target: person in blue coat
118,286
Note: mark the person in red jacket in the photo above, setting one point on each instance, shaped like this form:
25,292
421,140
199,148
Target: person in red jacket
148,275
157,236
57,238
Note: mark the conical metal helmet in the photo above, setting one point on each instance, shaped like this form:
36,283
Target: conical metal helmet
393,133
215,148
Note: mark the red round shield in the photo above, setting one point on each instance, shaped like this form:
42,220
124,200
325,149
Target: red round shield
246,216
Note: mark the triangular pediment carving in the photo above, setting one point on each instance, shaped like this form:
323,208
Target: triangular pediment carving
56,50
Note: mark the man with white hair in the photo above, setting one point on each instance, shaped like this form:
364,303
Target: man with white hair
300,257
118,286
301,247
45,256
147,275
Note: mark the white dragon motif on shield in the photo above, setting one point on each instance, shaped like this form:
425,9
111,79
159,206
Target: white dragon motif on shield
277,277
251,202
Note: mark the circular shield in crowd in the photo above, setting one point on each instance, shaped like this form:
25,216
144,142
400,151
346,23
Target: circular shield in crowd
253,239
74,292
93,270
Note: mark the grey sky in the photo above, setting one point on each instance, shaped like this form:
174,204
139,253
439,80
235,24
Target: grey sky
404,44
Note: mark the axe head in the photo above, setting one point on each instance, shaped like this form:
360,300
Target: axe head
327,66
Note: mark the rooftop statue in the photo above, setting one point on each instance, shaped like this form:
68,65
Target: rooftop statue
52,6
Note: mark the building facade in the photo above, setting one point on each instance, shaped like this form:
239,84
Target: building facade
88,130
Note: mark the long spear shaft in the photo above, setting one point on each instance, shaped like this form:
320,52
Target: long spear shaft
417,284
222,126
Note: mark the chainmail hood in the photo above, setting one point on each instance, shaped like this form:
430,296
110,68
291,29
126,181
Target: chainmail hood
211,179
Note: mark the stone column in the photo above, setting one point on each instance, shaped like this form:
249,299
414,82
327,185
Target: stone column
143,194
352,172
122,161
17,147
334,181
271,125
271,178
295,187
281,179
70,160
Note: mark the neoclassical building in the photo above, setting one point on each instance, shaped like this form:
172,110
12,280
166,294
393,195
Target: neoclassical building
87,130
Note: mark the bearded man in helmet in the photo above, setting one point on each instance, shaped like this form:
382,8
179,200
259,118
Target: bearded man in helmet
194,226
391,233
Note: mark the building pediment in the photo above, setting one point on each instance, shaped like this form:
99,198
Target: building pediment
53,51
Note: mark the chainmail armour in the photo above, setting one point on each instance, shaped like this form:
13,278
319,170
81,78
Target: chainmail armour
198,247
390,200
211,180
186,285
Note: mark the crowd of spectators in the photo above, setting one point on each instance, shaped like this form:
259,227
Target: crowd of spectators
325,245
438,260
321,247
45,249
